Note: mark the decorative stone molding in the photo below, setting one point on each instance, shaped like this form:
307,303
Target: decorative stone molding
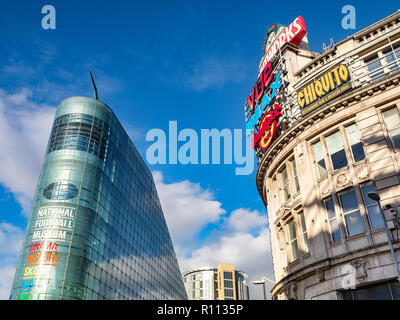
290,291
360,266
320,274
342,179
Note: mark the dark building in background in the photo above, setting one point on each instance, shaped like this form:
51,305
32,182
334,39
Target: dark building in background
97,229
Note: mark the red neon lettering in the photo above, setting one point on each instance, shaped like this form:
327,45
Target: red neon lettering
267,129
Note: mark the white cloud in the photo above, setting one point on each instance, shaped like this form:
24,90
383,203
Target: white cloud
245,220
24,131
240,238
187,207
11,238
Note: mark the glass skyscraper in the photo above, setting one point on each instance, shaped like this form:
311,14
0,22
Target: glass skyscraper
97,230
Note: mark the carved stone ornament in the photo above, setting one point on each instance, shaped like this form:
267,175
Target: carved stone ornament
321,275
290,291
342,179
360,265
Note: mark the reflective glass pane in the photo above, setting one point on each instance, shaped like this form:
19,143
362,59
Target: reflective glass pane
330,208
395,134
367,188
358,151
353,135
335,232
295,249
348,200
392,118
379,292
375,216
354,223
292,230
318,151
339,159
334,142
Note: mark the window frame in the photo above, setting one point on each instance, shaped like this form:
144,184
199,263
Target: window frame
359,209
336,217
292,221
387,130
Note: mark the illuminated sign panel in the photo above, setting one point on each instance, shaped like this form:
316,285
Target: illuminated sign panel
324,88
267,128
294,33
261,123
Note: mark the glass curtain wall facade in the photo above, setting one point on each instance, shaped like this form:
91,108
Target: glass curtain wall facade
97,229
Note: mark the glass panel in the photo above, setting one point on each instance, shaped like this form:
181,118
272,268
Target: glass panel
334,142
303,222
352,134
375,217
295,250
379,292
395,286
367,188
335,232
319,157
335,149
395,134
330,208
319,153
285,183
348,200
358,151
392,118
353,137
339,159
292,230
354,223
296,179
375,68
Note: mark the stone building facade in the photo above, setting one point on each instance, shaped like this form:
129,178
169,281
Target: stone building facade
338,139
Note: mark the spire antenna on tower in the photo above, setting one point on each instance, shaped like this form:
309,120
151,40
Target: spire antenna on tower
96,95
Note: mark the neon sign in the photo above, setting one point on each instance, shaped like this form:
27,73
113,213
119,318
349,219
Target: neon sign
325,88
294,33
267,129
258,112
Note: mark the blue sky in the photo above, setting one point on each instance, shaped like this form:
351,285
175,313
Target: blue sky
194,62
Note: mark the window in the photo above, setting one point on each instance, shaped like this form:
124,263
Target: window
227,275
379,291
375,68
295,177
333,222
336,151
319,158
304,229
228,284
353,137
60,191
293,240
392,121
351,212
372,207
393,59
285,183
228,292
